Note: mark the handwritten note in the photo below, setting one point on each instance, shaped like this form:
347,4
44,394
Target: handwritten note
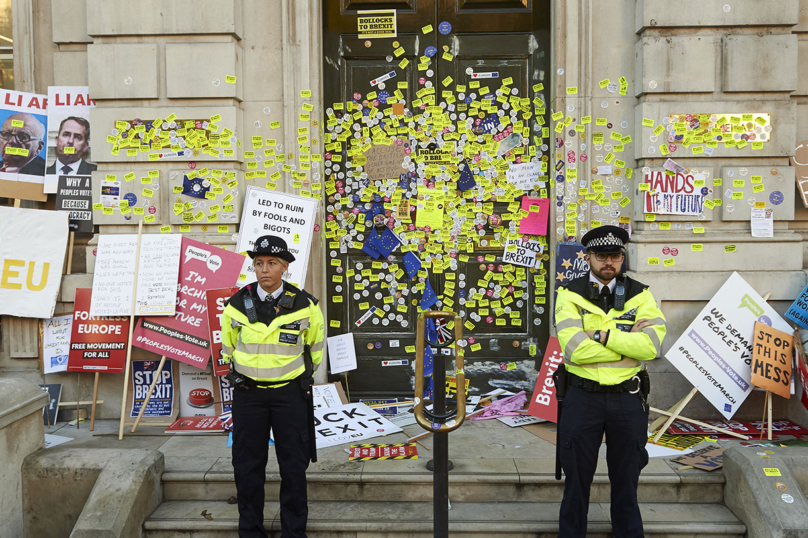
115,275
384,162
56,343
525,175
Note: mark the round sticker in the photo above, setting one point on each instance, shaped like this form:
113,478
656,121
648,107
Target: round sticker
131,198
435,426
787,498
776,198
444,27
780,486
430,51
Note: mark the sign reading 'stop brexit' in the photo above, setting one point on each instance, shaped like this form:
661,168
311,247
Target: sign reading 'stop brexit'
715,352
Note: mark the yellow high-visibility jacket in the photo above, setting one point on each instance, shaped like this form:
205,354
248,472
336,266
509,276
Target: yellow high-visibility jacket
619,360
274,353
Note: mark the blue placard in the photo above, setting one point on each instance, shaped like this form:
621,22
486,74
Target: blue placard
798,311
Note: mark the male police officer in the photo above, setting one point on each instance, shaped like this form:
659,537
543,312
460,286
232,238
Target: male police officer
272,335
607,324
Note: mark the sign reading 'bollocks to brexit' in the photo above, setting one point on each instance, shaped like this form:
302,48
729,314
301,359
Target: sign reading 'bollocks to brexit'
715,351
376,23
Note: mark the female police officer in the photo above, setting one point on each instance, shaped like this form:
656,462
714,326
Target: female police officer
272,336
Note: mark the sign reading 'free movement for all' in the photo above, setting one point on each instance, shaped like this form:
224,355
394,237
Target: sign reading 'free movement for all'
715,352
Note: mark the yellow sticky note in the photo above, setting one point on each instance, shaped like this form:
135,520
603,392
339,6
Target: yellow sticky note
772,471
230,79
696,247
572,90
17,123
669,262
165,229
653,261
730,248
185,228
305,94
647,122
427,29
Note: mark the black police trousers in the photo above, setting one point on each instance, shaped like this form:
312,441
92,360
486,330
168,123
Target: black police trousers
585,417
285,411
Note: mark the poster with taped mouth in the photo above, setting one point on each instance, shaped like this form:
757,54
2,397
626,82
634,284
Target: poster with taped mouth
22,145
349,423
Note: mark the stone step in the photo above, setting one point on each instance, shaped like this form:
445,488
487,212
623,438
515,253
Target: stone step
390,519
489,480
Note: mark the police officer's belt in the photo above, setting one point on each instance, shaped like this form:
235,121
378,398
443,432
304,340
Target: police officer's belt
631,385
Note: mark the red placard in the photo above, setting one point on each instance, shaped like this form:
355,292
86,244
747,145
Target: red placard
96,344
196,425
185,337
543,404
406,451
216,300
680,427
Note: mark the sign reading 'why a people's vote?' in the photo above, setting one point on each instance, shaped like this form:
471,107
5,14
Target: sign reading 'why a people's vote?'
715,352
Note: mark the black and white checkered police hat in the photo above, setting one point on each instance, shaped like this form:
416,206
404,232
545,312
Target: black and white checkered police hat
271,245
605,239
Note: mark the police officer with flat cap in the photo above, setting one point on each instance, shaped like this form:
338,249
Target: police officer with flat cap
609,326
272,336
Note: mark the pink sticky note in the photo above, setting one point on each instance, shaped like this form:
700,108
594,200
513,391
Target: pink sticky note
536,222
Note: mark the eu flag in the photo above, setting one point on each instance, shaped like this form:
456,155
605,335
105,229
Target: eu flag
194,187
412,264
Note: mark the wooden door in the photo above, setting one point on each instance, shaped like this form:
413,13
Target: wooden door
472,43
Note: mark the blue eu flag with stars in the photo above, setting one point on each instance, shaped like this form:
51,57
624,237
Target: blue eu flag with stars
194,187
412,264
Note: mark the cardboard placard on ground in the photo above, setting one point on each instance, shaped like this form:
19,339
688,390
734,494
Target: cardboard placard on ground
66,105
32,249
543,403
164,404
349,423
74,194
715,351
96,344
404,451
185,337
215,300
24,164
289,217
771,360
708,458
116,258
332,394
56,333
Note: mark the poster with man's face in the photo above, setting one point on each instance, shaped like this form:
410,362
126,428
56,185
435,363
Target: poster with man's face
68,143
23,131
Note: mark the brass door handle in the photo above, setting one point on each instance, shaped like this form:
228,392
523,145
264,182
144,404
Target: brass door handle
420,415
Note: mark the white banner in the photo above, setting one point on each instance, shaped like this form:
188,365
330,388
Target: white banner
349,423
287,216
32,253
715,351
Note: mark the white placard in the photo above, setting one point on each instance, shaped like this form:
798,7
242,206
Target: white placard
715,351
289,217
527,253
341,353
525,175
32,252
349,423
328,393
675,193
56,333
158,272
522,420
68,109
192,378
762,222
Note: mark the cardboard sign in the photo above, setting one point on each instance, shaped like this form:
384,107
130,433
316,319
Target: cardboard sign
523,251
74,194
798,311
535,223
376,23
543,403
349,423
164,405
674,193
114,276
56,333
341,353
215,300
451,386
405,451
51,411
771,360
185,337
384,162
715,351
708,458
289,217
96,344
32,253
23,163
68,133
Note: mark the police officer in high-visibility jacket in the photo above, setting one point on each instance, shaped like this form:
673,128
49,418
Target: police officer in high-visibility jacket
608,325
272,336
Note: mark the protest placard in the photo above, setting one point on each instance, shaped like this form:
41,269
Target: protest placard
674,192
341,353
543,403
523,251
708,458
68,149
771,359
74,194
199,392
570,262
289,217
215,300
164,405
56,333
96,344
349,423
538,210
525,176
384,162
186,336
32,254
798,311
115,262
23,155
715,351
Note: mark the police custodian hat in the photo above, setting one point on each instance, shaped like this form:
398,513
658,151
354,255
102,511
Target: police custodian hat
605,239
271,245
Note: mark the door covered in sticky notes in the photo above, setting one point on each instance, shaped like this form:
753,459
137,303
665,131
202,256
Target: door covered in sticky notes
433,135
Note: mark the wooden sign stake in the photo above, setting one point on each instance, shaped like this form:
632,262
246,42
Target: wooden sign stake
69,267
78,398
347,389
699,423
17,203
148,394
95,401
675,413
131,330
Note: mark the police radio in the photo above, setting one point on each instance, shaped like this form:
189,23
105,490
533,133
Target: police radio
620,293
249,305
